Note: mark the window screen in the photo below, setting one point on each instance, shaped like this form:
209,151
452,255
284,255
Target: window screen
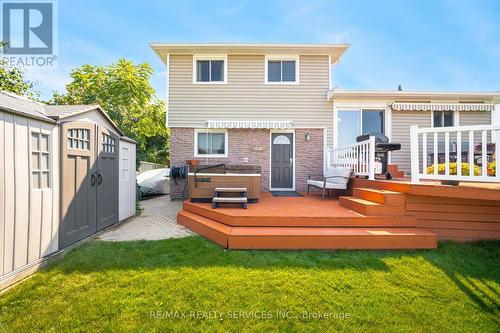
210,70
211,144
443,118
281,71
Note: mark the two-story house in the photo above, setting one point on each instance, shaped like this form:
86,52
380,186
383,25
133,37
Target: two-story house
272,105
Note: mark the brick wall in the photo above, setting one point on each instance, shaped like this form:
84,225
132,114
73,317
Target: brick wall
254,145
308,156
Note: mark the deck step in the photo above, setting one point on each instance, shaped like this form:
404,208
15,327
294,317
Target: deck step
307,237
370,208
238,217
383,197
230,199
215,231
395,172
230,189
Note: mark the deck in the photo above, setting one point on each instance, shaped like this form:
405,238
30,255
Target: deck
468,212
309,223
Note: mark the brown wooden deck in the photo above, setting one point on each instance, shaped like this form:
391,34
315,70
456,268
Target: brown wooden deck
308,223
468,212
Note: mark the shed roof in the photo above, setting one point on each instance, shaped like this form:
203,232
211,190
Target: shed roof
20,105
24,106
59,112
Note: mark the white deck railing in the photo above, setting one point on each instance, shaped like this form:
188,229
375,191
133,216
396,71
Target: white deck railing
359,156
444,149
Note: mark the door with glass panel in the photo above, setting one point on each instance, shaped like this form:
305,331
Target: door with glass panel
78,182
352,123
107,178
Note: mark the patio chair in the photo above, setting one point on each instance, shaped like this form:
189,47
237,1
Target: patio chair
336,178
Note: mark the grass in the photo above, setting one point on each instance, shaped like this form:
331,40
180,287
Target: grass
136,286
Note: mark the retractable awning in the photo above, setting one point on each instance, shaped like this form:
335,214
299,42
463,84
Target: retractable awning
262,124
442,107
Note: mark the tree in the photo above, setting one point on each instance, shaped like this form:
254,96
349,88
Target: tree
122,89
12,79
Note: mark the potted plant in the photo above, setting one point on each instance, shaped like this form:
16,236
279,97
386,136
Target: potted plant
193,162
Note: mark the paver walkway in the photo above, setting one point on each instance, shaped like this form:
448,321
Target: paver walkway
157,221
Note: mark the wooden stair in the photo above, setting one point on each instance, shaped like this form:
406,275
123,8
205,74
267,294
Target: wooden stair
394,171
374,202
286,237
370,219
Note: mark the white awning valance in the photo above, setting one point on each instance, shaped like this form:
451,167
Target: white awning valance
442,107
265,124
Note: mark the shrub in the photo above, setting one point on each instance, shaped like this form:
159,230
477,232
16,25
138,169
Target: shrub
492,168
453,169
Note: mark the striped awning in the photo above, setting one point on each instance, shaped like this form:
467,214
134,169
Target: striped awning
442,107
264,124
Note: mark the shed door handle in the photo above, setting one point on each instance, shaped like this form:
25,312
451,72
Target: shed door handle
92,179
99,178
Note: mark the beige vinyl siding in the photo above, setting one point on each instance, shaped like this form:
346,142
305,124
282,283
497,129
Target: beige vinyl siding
475,118
401,122
28,217
247,97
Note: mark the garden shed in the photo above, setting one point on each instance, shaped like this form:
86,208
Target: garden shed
66,172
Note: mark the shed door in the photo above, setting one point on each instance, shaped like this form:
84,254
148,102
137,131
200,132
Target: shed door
79,184
282,161
107,178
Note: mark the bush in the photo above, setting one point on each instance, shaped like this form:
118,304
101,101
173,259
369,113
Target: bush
453,169
492,168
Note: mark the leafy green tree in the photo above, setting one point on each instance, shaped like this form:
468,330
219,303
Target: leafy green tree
12,79
122,89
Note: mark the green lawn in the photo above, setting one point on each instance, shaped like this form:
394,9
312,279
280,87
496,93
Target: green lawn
191,285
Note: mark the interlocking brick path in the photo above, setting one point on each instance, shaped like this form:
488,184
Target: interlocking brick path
158,220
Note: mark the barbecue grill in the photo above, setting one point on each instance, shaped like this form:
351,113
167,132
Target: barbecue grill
382,149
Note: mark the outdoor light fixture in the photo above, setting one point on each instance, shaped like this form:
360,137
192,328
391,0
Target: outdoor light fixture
307,136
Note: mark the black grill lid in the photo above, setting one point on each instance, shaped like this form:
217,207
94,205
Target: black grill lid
379,137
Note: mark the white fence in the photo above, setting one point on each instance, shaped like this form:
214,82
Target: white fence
439,153
359,156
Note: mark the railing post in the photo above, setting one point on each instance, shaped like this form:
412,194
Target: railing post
371,162
497,154
415,171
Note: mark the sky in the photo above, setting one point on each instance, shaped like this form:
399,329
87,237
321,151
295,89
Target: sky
423,44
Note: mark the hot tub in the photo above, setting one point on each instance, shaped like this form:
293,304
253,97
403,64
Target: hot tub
202,184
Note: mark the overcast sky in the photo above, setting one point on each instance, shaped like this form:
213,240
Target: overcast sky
422,45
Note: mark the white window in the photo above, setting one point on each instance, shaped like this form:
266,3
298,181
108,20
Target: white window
443,118
210,143
79,138
209,69
108,143
282,69
40,160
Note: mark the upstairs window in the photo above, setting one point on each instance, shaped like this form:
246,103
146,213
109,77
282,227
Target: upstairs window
443,118
281,70
209,69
